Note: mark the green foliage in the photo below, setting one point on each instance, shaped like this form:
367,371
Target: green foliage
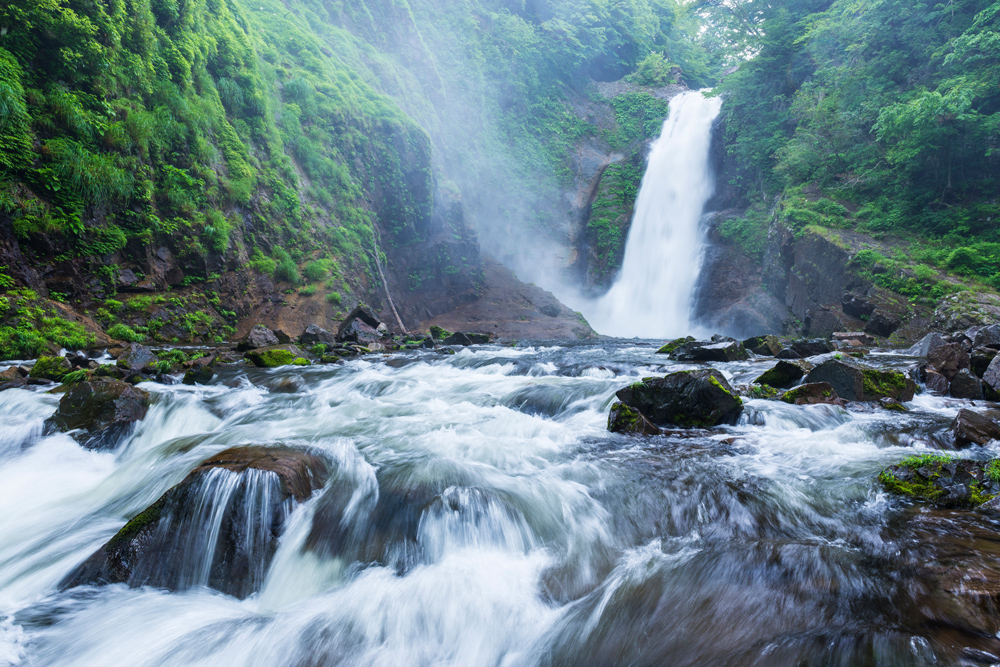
285,269
122,332
316,270
654,70
748,231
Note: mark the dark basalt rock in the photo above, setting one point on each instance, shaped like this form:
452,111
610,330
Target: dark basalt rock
764,346
956,483
812,394
136,357
314,334
812,348
966,385
857,306
624,419
259,336
854,382
164,546
788,353
971,428
360,326
201,372
782,375
988,337
991,380
700,351
688,399
104,411
466,338
926,344
935,382
948,359
980,360
883,324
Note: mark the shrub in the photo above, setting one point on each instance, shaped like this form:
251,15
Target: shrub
285,269
262,263
317,270
334,298
124,332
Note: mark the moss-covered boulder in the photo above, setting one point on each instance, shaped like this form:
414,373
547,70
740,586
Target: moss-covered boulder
438,333
764,346
671,345
812,394
856,382
689,399
702,351
274,356
943,480
99,412
624,419
248,489
782,375
51,368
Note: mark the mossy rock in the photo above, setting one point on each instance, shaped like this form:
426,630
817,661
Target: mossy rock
625,419
855,382
300,361
274,356
689,399
51,368
782,375
943,480
761,391
439,333
670,346
812,394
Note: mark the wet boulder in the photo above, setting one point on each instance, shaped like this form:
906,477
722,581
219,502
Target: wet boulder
814,347
12,373
236,501
988,336
315,334
51,368
857,306
259,336
924,346
948,359
966,385
624,419
101,412
782,375
942,480
883,324
136,357
763,346
855,382
201,371
671,345
788,353
812,394
991,380
979,360
936,383
701,351
690,399
273,356
438,333
971,428
466,338
361,326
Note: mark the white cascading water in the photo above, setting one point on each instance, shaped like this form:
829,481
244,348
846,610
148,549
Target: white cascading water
654,294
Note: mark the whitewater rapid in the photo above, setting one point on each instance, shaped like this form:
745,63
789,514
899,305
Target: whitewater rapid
653,295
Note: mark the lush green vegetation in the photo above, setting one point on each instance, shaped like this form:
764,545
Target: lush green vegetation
32,327
886,112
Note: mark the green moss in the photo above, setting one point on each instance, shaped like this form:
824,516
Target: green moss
439,333
762,391
669,347
136,525
123,332
319,349
300,361
50,368
715,382
882,382
76,376
623,419
925,490
270,358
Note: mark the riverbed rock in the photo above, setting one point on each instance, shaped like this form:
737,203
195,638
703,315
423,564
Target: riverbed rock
782,375
883,323
948,359
671,345
103,412
853,338
315,334
624,419
979,360
273,356
971,428
924,346
942,480
991,380
764,346
857,306
165,545
51,368
988,336
701,351
136,357
936,383
812,347
690,399
201,373
259,336
788,353
360,326
966,385
812,394
854,382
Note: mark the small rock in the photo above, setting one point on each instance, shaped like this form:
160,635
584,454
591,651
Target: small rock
9,374
971,428
788,353
935,382
857,306
200,373
730,350
956,483
893,404
259,336
136,357
764,346
314,334
782,375
966,385
812,348
812,394
988,337
851,337
671,345
104,411
624,419
690,399
360,326
457,338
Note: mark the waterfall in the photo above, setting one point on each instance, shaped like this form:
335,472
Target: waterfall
653,295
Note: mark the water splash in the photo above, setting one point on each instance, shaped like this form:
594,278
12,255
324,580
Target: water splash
654,294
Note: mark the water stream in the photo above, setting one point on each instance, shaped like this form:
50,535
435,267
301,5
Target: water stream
490,519
654,292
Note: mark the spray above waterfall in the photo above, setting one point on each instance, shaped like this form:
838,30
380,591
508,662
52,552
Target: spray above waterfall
653,295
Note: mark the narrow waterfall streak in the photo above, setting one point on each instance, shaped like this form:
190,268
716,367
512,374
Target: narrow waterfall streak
653,296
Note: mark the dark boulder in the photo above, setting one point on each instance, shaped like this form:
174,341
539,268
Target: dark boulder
727,350
948,359
438,333
788,353
12,373
314,334
854,382
812,394
935,382
988,337
923,347
971,428
883,324
980,360
259,336
857,306
50,368
361,326
966,385
688,399
893,405
102,411
466,338
991,380
136,357
782,375
813,347
201,373
764,346
249,490
624,419
853,338
942,480
671,345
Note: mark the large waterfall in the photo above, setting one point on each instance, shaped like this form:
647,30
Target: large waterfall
653,295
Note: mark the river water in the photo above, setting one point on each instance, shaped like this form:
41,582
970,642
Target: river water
523,532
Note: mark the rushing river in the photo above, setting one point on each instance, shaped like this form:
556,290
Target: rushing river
523,532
